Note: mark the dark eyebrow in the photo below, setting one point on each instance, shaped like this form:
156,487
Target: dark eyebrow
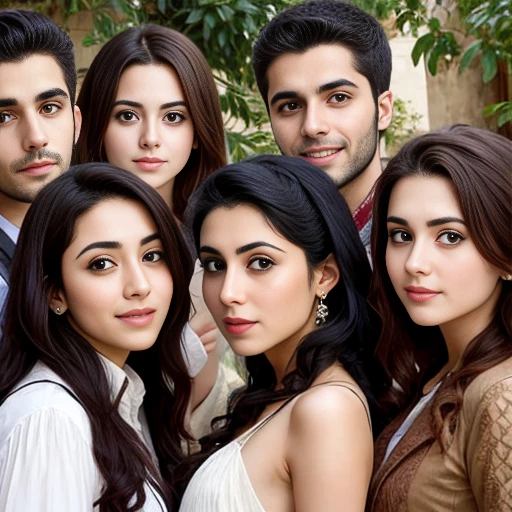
8,102
207,248
173,104
51,93
283,95
100,245
398,220
254,245
444,220
128,103
116,245
342,82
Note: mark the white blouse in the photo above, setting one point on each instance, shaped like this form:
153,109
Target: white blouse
46,454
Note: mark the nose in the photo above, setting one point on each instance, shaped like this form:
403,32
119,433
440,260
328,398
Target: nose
150,137
419,259
314,123
35,136
233,289
136,282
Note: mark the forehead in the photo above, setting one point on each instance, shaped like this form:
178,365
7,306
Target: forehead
424,196
24,80
309,70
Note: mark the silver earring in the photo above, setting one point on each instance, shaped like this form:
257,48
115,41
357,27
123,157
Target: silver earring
321,310
58,311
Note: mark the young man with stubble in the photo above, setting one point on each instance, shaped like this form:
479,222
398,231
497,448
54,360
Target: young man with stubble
323,68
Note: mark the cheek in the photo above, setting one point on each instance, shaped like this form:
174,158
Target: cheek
115,145
394,266
211,292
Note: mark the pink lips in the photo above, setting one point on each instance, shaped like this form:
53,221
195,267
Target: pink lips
420,294
38,168
137,317
149,164
238,325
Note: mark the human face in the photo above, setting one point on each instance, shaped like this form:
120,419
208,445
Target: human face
150,131
117,288
256,283
434,266
37,125
322,110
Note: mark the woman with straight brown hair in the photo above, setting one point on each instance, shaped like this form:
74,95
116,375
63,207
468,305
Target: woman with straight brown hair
442,282
150,106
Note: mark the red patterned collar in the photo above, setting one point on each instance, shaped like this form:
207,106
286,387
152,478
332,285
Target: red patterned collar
363,212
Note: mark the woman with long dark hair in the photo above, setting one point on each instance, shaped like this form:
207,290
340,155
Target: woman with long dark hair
442,283
150,106
91,343
286,278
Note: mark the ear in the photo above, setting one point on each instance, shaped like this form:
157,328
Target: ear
385,106
326,276
78,122
57,301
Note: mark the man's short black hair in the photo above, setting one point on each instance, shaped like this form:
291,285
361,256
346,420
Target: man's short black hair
26,33
318,22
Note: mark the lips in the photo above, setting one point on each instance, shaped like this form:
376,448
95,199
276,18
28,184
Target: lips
149,163
137,317
238,325
420,294
38,168
320,156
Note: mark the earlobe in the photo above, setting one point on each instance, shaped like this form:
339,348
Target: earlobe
57,302
78,122
385,106
329,275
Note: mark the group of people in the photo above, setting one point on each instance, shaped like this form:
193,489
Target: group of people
372,307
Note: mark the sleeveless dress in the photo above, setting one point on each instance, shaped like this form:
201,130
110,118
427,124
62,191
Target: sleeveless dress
222,483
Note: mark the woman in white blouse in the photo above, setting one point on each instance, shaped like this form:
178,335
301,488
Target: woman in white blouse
100,278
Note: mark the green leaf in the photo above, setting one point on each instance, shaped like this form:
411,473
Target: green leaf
194,16
490,65
433,59
209,19
222,38
434,24
423,45
490,110
470,53
506,117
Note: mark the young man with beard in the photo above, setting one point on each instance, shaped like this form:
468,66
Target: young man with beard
323,68
39,121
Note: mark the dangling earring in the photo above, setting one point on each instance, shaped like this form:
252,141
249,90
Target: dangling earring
321,310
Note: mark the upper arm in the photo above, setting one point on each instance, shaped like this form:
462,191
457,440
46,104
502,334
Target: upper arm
489,455
46,465
329,451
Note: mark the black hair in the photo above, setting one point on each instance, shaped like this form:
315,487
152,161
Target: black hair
26,33
32,333
323,22
304,206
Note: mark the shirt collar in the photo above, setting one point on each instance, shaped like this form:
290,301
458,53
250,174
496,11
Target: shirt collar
9,228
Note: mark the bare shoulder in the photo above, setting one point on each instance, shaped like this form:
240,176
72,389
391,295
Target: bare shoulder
329,406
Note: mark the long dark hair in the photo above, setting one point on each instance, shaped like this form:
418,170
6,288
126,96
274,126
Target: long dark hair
477,162
152,44
32,333
303,205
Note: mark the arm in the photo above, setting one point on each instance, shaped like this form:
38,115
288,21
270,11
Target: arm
330,451
46,465
489,457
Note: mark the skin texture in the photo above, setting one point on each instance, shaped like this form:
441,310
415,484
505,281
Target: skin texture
152,128
102,283
312,112
442,258
271,286
33,130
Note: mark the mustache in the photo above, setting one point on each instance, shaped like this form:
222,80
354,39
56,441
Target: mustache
32,156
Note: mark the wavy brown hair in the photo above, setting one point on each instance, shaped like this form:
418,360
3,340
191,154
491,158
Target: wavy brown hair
152,44
477,162
33,333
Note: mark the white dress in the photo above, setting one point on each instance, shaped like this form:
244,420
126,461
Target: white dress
46,454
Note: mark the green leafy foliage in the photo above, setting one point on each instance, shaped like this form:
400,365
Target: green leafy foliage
403,124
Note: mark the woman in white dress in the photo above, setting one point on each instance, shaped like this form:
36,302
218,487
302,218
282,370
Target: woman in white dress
98,300
285,279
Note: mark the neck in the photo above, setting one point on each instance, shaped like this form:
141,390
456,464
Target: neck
166,192
355,191
14,211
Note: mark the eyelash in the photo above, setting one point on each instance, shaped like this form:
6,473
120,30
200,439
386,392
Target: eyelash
460,237
254,259
120,114
160,255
